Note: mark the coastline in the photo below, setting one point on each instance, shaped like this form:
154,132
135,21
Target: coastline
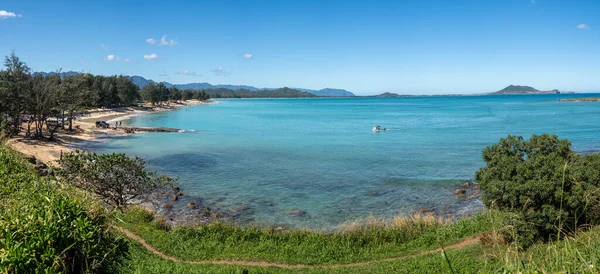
179,211
85,130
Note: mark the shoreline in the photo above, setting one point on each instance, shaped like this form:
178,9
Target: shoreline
180,212
85,130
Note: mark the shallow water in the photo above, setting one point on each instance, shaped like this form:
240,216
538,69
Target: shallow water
320,155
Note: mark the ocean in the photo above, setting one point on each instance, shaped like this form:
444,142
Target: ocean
275,157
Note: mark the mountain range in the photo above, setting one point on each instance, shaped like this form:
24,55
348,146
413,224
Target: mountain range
327,92
141,82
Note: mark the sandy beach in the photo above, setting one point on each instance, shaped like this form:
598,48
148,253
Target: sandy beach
84,130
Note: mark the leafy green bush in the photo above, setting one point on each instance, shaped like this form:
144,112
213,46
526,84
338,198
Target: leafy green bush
115,178
547,187
44,229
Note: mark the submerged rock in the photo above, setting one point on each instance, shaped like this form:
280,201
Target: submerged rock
460,192
191,205
373,193
297,212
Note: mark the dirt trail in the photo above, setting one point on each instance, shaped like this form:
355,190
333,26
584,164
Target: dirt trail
131,235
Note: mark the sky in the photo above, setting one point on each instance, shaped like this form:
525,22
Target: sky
367,47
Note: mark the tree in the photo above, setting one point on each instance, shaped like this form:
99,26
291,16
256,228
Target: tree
41,100
108,93
162,93
128,92
150,94
72,95
201,95
547,188
174,94
115,178
187,94
14,84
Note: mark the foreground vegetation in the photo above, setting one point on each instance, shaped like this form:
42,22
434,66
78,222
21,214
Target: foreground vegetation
541,219
45,228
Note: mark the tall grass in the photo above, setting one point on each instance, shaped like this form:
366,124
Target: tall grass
367,239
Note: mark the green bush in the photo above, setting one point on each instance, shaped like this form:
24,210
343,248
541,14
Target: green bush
44,229
115,178
547,187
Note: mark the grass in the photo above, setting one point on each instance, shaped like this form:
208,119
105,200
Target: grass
464,261
579,254
370,241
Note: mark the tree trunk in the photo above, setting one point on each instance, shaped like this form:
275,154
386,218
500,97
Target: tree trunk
71,120
31,120
52,131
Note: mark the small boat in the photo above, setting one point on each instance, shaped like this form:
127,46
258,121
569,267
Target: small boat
378,128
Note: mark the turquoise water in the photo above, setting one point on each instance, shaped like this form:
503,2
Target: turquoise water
320,155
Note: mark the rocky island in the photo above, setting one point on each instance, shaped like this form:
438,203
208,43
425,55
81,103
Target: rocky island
516,89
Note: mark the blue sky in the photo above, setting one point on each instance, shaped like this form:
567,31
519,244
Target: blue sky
368,47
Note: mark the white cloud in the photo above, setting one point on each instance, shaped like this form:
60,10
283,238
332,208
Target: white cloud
583,27
150,56
7,14
220,72
150,41
163,74
110,58
127,60
248,56
105,47
188,73
164,42
82,62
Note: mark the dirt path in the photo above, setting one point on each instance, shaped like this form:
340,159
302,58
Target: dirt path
131,235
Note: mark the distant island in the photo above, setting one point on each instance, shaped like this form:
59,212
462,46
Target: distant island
515,89
390,95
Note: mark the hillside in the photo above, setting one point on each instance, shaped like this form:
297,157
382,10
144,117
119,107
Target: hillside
265,93
326,92
243,89
516,89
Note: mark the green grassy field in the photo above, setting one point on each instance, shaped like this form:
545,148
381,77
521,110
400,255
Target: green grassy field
218,241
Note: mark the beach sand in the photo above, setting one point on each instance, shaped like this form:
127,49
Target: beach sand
84,130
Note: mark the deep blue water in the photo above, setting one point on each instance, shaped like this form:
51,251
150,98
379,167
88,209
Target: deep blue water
320,155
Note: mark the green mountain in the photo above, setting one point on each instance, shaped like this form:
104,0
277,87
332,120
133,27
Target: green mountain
389,95
264,93
515,89
326,92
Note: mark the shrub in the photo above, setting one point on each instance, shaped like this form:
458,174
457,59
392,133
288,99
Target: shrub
545,185
115,178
